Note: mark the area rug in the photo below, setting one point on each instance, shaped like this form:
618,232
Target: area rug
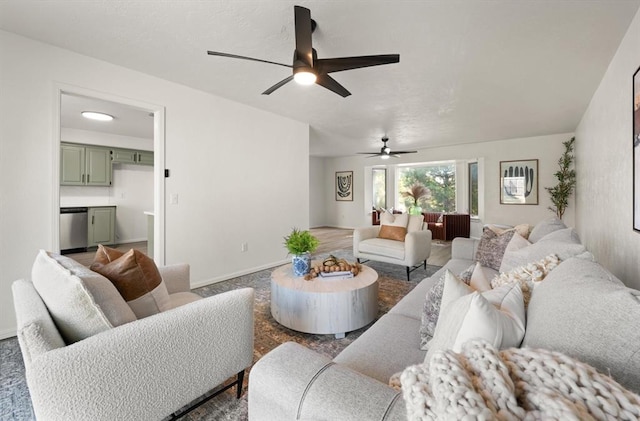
14,396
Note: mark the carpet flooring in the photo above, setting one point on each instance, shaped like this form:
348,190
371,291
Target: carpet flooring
14,396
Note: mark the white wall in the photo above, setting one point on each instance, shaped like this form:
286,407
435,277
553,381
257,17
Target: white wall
226,195
604,166
547,149
317,204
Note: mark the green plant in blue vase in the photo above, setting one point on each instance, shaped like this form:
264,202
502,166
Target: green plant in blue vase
300,245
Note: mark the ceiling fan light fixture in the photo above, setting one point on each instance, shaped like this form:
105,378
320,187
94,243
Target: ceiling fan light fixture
304,76
385,156
95,115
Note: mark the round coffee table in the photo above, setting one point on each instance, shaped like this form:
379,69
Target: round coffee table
324,306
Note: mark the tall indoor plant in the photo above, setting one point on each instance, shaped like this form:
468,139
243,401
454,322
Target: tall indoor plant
566,176
300,245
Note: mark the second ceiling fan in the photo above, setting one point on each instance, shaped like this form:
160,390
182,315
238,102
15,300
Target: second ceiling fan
385,151
307,67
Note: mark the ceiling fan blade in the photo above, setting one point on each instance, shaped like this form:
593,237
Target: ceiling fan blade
331,84
330,65
302,19
402,152
217,53
278,85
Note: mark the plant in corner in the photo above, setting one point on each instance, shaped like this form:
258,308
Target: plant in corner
300,245
416,191
566,176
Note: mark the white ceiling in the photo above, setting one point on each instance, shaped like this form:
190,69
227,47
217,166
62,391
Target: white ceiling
469,71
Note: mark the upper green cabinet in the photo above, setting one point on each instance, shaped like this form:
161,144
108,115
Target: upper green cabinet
82,165
132,156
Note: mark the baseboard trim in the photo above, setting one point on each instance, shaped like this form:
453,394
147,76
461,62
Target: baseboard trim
8,333
243,272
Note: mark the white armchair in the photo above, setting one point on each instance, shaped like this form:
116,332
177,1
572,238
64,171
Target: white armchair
412,253
141,369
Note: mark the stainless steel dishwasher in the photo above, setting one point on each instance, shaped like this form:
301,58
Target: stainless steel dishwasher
73,229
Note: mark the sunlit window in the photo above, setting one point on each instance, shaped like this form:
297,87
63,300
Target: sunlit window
439,178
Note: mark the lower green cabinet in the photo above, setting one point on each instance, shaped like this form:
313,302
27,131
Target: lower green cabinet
102,225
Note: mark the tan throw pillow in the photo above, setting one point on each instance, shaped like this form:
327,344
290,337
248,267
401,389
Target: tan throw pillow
137,279
105,255
391,232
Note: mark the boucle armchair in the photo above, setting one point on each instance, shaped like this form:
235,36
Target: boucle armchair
400,239
140,370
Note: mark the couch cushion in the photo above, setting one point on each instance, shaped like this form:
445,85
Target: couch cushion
393,336
584,311
383,247
392,232
492,246
181,298
564,243
71,305
545,227
497,316
136,277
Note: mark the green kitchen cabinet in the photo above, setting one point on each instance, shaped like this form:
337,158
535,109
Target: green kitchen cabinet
83,165
132,156
145,157
102,225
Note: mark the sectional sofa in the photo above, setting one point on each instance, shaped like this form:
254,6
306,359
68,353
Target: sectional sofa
579,309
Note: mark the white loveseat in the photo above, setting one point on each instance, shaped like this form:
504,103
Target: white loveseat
130,370
579,309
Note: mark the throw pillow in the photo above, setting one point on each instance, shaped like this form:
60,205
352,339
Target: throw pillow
136,277
517,242
415,223
564,243
522,229
395,219
481,278
544,228
105,255
391,232
440,219
497,316
491,247
71,305
527,276
432,305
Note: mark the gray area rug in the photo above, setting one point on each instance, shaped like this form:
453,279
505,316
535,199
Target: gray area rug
15,403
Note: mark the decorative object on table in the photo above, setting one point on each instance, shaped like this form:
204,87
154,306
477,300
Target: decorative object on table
636,150
334,268
300,245
344,186
561,192
417,192
519,182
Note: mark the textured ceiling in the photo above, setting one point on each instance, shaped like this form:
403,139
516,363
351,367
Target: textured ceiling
469,70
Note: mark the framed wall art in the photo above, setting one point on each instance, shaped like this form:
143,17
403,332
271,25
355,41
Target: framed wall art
636,150
344,186
519,182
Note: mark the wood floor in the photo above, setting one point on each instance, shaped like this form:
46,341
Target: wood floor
337,238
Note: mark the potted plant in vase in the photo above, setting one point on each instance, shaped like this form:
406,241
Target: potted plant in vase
300,245
416,191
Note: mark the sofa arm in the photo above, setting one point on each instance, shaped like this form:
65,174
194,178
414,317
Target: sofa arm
361,234
176,277
149,368
417,247
464,248
292,382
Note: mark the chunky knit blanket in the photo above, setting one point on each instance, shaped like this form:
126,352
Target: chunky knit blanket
514,384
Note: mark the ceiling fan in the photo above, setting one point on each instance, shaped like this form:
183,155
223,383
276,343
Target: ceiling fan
385,151
307,67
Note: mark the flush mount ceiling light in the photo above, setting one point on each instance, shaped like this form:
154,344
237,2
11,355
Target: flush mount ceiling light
94,115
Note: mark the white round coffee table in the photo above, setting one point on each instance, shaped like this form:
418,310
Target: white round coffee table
324,306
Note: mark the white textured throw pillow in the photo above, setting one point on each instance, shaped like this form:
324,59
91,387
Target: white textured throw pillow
395,219
527,276
497,316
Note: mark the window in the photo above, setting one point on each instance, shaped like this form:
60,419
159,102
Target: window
439,178
473,189
379,181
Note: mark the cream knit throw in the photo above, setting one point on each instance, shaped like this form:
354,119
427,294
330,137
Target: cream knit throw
481,383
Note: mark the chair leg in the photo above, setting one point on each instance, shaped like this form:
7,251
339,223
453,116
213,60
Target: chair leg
425,264
358,260
408,272
239,386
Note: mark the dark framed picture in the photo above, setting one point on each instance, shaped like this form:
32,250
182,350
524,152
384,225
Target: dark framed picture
344,186
636,150
519,182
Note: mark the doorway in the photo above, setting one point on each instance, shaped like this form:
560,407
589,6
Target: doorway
135,190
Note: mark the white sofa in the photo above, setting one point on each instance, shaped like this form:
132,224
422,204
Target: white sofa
579,309
139,370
